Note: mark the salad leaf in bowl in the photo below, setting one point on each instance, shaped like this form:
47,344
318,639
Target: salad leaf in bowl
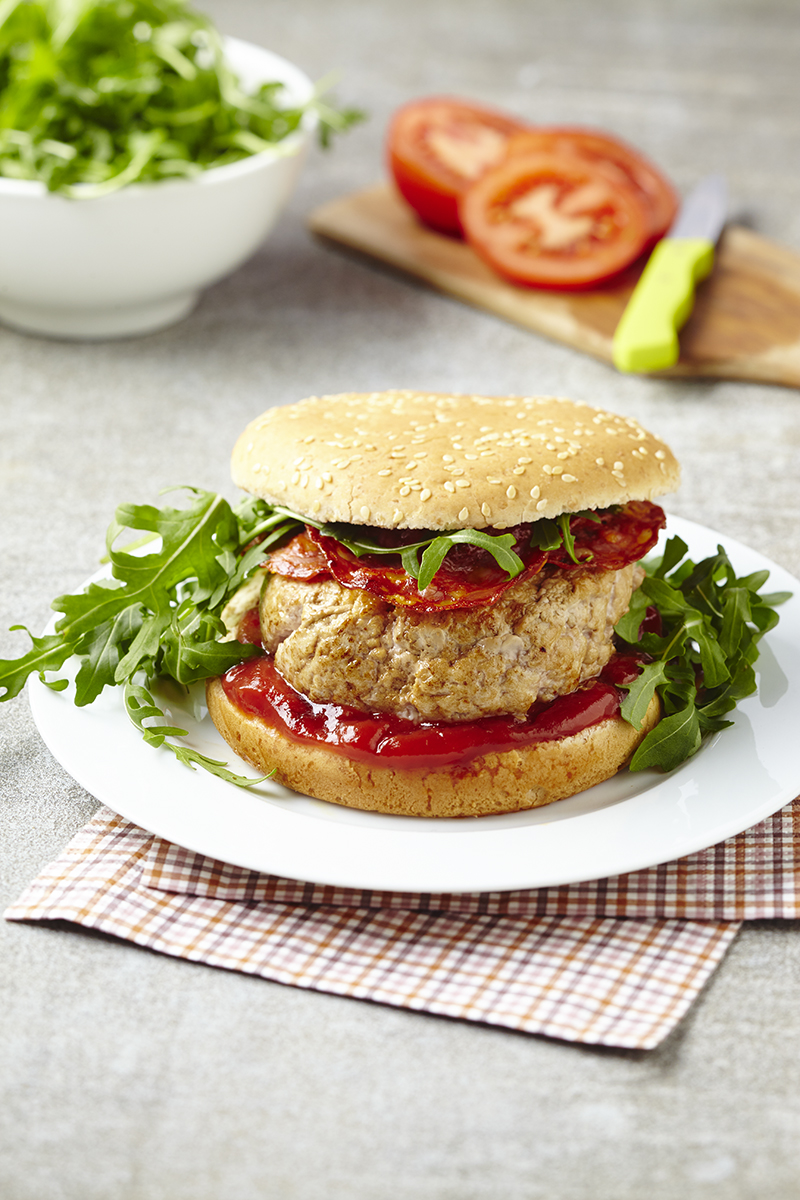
142,157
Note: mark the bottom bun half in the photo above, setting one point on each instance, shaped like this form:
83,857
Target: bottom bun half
493,783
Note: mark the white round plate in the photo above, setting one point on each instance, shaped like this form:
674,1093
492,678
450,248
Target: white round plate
628,823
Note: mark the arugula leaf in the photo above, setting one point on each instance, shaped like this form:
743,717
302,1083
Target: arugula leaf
547,534
160,613
641,692
100,652
99,94
567,537
630,623
674,739
702,661
674,552
500,546
141,707
48,653
435,548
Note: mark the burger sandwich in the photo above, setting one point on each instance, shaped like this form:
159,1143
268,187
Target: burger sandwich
435,625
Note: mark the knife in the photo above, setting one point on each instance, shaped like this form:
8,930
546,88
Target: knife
646,338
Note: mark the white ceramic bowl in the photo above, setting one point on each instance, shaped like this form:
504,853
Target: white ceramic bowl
135,260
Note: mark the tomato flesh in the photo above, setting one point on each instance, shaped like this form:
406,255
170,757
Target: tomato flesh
437,147
634,170
555,221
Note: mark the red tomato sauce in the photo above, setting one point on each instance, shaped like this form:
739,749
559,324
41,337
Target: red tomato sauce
381,739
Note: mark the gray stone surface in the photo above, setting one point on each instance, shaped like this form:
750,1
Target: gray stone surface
132,1076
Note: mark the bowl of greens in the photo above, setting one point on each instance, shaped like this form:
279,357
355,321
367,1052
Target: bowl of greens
142,157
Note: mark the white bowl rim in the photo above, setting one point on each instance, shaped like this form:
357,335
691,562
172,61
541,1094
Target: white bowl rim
287,147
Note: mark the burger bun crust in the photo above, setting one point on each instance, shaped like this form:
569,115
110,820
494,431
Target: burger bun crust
422,460
509,781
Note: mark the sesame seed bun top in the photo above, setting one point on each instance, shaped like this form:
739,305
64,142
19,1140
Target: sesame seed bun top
421,460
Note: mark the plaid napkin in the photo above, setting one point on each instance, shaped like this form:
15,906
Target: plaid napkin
614,962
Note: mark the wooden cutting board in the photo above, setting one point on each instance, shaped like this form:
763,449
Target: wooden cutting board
746,319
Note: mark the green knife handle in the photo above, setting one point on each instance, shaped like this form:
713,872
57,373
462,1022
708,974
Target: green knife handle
646,338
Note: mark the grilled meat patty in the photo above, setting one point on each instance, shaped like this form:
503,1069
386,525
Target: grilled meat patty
543,637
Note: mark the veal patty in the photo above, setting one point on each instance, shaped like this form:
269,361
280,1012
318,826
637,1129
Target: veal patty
543,637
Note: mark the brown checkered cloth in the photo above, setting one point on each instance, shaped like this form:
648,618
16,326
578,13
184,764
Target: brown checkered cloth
615,962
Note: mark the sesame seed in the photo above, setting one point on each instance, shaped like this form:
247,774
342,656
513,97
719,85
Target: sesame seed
486,510
447,458
405,490
425,494
617,466
535,493
295,477
660,454
462,516
541,506
364,513
462,483
397,515
568,479
601,462
548,470
563,454
518,471
558,470
256,468
385,471
511,492
449,486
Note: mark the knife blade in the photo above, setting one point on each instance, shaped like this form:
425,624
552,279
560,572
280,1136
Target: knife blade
646,338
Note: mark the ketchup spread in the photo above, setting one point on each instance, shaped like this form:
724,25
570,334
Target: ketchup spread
249,630
381,739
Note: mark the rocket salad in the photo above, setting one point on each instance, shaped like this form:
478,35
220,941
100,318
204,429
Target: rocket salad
160,615
104,93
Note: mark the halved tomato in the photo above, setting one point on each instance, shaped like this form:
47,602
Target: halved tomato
658,193
439,146
555,220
